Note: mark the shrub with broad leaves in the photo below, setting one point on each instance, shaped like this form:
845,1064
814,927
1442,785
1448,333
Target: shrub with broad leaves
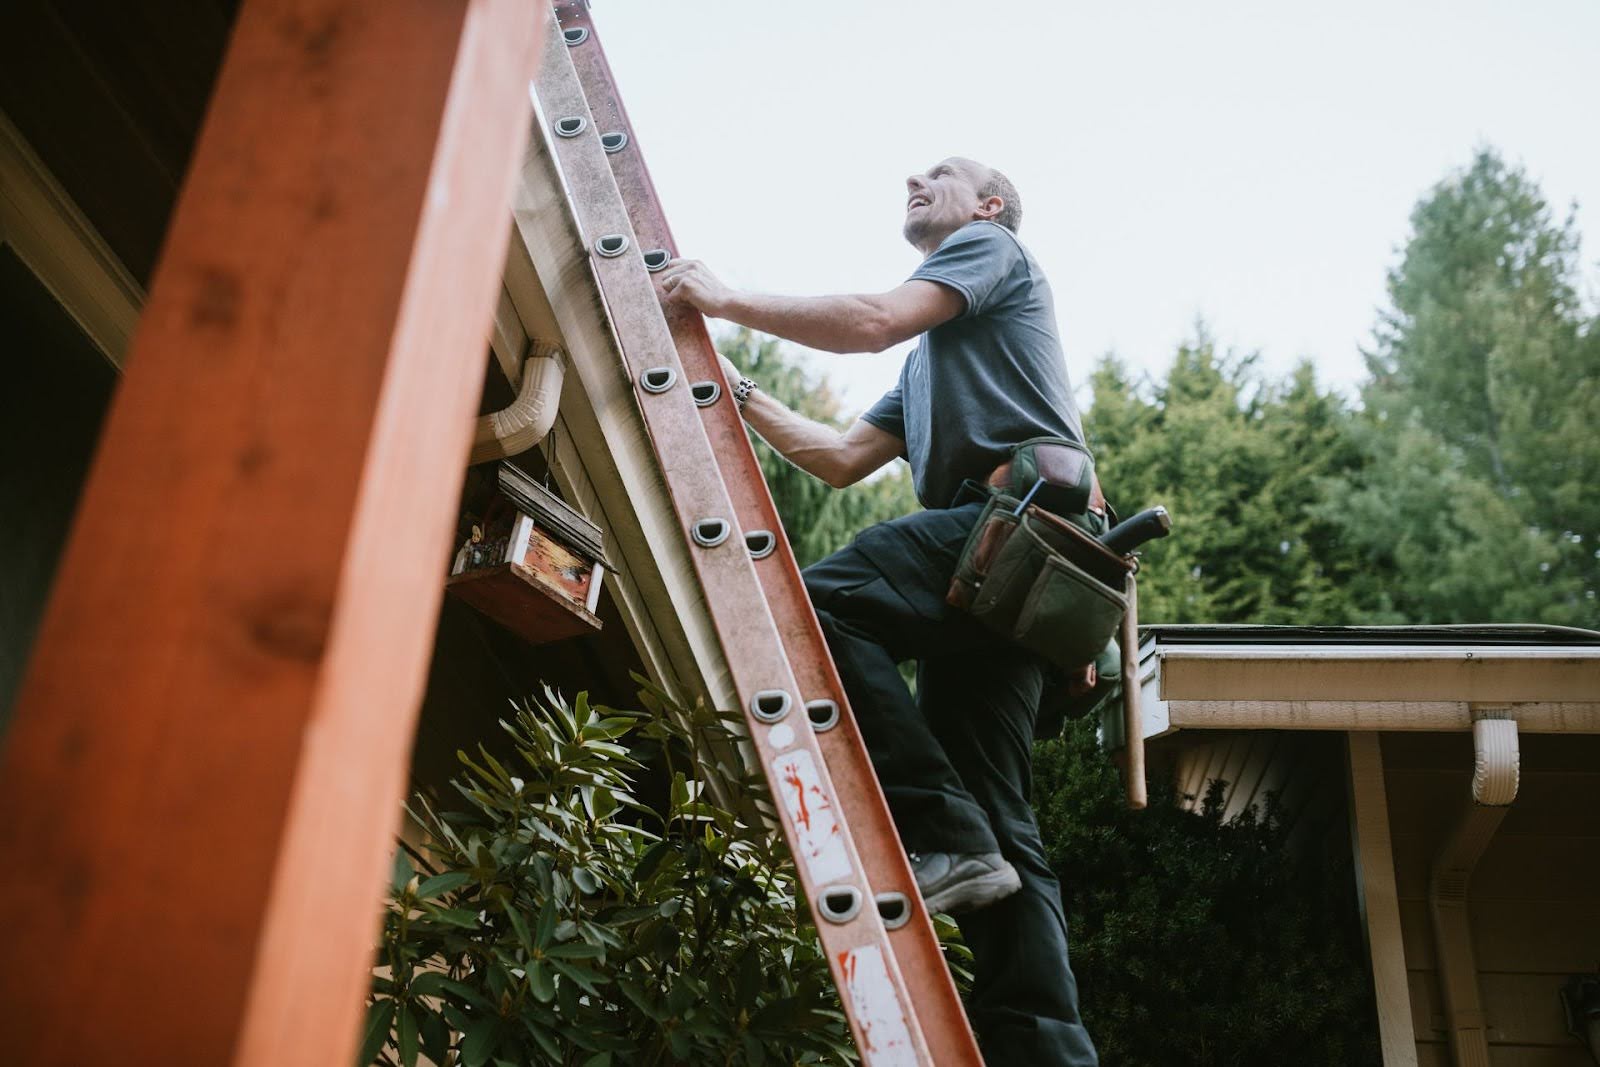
557,919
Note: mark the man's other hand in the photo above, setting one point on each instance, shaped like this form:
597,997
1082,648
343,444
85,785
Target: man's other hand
688,281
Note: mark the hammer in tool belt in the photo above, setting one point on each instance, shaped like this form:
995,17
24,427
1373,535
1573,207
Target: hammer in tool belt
1124,539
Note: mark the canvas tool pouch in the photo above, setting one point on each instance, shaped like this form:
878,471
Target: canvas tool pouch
1042,582
1060,473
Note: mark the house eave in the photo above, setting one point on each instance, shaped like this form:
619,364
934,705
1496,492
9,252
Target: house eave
1398,678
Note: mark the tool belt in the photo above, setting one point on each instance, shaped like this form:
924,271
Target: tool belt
1065,469
1032,569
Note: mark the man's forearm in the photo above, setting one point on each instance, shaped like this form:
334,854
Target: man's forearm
864,322
816,449
828,323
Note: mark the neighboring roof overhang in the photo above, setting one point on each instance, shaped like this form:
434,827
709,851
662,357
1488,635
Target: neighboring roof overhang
1366,678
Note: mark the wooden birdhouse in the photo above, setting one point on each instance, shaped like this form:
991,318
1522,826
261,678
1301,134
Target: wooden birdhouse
533,564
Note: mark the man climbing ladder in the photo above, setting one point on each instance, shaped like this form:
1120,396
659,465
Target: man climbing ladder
987,375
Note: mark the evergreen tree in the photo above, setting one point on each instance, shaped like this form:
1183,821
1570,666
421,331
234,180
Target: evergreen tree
1237,460
1475,503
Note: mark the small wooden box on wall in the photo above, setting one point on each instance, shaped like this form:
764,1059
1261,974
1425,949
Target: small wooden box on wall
533,564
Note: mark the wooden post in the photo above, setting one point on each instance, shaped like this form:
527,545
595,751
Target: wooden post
1134,782
1379,900
202,778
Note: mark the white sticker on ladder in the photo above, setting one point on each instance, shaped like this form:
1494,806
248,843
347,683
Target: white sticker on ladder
885,1037
819,838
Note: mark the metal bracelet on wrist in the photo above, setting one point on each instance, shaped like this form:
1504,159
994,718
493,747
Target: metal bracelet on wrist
742,391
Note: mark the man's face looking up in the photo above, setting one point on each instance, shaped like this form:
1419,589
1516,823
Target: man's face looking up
945,198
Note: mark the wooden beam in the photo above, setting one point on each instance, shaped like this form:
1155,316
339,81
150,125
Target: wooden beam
1379,899
203,774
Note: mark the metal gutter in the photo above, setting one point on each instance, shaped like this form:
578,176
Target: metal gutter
1475,634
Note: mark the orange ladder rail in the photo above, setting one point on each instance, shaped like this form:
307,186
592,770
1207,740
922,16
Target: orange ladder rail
894,982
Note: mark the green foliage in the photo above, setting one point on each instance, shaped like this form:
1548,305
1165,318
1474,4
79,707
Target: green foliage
557,919
1460,490
1198,941
818,519
1237,459
1475,501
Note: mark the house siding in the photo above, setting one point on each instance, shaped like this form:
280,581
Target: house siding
1532,899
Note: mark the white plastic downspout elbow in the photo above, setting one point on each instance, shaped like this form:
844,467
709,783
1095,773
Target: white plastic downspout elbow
1496,761
523,424
1496,774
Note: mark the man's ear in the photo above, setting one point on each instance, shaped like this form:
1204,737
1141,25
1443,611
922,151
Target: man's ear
990,206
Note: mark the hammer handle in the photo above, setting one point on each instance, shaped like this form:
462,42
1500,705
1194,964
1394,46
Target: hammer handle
1129,534
1132,716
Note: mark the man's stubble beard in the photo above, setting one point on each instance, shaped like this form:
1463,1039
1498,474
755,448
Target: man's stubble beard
914,231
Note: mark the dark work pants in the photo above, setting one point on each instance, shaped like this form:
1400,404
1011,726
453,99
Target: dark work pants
956,763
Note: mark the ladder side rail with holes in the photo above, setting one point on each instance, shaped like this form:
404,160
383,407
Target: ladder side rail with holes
912,938
828,861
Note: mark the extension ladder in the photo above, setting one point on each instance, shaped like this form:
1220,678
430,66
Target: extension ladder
893,981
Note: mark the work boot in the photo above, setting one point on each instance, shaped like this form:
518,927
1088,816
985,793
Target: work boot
954,883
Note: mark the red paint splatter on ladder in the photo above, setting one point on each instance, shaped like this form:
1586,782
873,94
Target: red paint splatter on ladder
847,966
819,837
802,813
880,1017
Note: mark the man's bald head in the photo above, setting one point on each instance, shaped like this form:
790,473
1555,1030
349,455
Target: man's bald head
951,194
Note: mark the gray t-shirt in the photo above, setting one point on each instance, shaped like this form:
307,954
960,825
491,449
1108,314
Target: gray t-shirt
987,380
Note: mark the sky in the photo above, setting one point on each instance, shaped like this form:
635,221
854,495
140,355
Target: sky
1252,164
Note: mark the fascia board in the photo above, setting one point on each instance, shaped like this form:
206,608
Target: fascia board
1539,717
1473,674
61,247
1154,713
508,337
1546,689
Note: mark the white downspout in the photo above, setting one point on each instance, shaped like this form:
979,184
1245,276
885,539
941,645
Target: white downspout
1495,776
523,424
